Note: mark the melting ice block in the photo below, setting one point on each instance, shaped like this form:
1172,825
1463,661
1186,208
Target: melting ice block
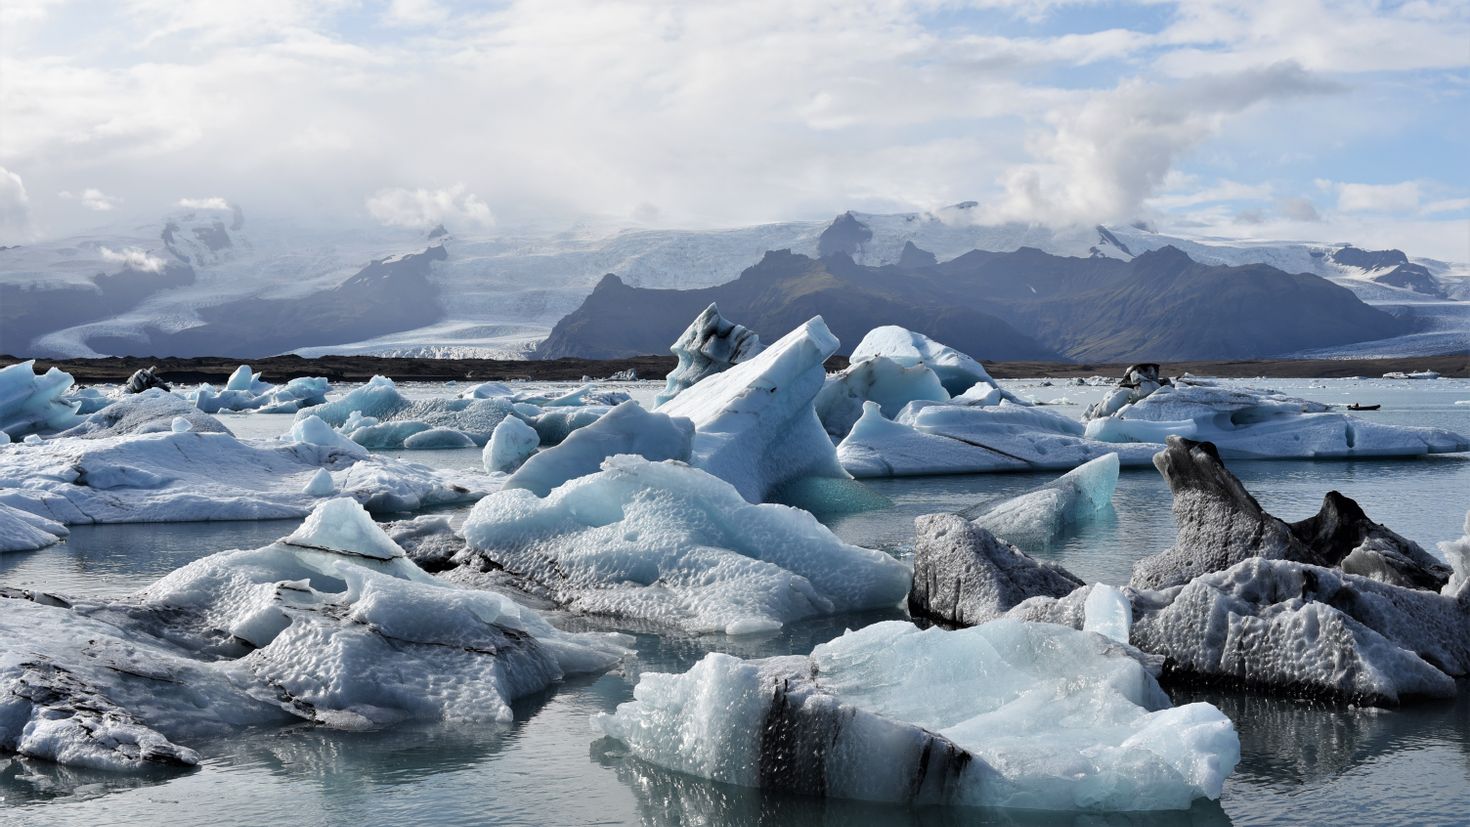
386,419
152,411
24,531
754,425
877,379
626,429
334,635
956,371
1007,714
1038,517
709,345
670,544
31,403
511,444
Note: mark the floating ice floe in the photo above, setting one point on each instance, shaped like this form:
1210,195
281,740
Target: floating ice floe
24,531
511,444
1039,517
1008,714
377,416
32,403
1260,424
153,411
246,391
754,425
674,546
332,625
876,379
709,345
1264,623
930,438
196,475
626,429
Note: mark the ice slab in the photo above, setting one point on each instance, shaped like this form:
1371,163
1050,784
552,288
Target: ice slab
1039,517
674,546
754,425
1007,714
24,531
626,429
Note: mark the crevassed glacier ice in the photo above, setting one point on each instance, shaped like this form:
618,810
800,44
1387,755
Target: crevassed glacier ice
877,379
626,429
1255,424
956,371
754,425
32,403
511,444
24,531
1038,517
929,438
672,545
352,637
1007,714
190,476
709,345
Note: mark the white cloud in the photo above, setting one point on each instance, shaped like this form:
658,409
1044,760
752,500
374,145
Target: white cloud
213,202
1386,198
1298,209
92,198
133,258
15,208
452,206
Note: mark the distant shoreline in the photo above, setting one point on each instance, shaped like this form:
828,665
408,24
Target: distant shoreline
360,368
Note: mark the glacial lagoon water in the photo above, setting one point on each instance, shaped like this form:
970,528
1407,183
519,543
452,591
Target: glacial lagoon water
1302,762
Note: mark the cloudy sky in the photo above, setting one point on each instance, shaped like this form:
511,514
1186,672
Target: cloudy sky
1301,119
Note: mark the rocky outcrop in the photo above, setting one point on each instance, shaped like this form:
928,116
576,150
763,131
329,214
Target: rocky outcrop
964,576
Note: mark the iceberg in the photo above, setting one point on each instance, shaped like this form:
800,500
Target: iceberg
150,412
1457,554
626,429
333,626
192,476
1256,424
440,438
1039,517
1221,524
24,531
386,419
672,545
754,425
709,345
557,424
965,576
957,372
1008,714
511,444
246,391
840,402
929,438
31,403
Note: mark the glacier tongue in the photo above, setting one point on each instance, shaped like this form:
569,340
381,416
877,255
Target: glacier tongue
754,425
1006,714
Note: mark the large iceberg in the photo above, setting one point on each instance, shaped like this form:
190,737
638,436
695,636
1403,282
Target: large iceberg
31,403
929,438
191,475
709,345
1038,517
332,625
671,545
1008,714
1256,424
626,429
878,379
956,371
754,425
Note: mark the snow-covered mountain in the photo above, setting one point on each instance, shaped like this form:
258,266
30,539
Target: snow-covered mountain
171,286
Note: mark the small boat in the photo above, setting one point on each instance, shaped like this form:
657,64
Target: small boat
1356,407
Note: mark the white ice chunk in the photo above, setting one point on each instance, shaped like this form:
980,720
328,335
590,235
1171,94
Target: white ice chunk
956,371
667,543
344,525
511,443
626,429
877,379
1457,554
181,425
31,403
321,484
1040,516
1108,612
313,431
709,345
438,438
754,423
1007,714
24,531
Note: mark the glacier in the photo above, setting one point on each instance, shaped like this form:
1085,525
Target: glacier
754,424
1006,714
671,545
332,625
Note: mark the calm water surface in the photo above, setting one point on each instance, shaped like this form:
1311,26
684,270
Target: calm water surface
1303,762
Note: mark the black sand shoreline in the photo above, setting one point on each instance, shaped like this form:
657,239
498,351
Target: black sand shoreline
360,368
